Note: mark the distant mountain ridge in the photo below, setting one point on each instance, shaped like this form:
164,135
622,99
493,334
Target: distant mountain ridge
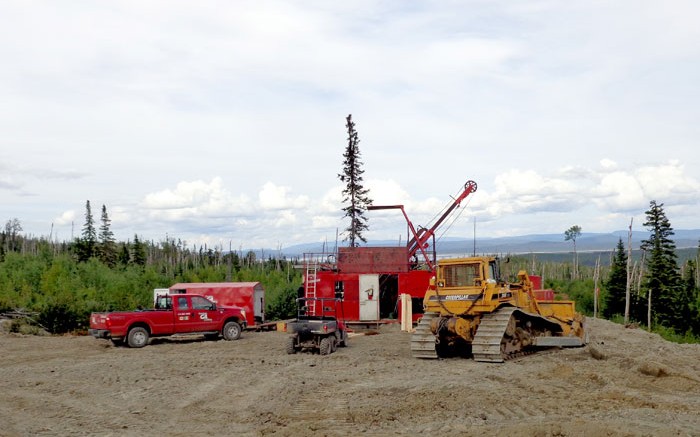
534,243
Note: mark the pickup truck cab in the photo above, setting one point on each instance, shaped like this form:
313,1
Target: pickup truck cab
173,314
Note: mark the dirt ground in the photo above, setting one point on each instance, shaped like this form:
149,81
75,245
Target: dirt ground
625,383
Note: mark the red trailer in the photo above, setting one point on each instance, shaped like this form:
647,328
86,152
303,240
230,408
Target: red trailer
370,279
247,295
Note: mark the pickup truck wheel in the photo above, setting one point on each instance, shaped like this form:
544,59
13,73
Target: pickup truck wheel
334,344
117,341
138,337
291,348
324,348
232,331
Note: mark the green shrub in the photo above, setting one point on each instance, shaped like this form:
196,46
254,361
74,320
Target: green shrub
59,316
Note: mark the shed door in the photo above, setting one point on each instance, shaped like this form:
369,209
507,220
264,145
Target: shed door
259,303
369,297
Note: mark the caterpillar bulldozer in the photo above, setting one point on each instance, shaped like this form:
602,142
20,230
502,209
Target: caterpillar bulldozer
471,311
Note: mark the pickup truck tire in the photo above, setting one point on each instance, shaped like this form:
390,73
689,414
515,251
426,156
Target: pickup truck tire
231,331
324,347
138,337
117,341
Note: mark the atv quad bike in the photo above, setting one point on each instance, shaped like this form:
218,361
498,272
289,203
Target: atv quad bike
317,326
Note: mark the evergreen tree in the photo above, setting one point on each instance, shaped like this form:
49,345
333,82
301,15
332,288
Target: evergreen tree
87,244
138,252
354,194
616,283
123,256
107,249
662,277
690,293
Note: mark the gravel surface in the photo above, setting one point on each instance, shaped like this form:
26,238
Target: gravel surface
626,382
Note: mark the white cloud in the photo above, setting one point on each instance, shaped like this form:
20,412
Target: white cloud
618,191
68,217
277,197
221,121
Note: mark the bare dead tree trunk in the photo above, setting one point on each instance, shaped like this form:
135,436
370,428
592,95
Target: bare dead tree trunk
596,275
649,311
629,273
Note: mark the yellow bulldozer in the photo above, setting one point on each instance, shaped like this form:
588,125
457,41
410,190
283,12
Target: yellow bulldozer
470,310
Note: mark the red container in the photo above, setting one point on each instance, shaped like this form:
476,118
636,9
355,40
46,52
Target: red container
544,294
536,282
247,295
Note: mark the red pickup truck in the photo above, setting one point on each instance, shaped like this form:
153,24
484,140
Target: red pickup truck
173,314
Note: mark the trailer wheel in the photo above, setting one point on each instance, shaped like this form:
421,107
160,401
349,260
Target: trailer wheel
291,347
232,331
138,337
324,348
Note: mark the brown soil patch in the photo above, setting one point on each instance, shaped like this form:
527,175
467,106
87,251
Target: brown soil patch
626,383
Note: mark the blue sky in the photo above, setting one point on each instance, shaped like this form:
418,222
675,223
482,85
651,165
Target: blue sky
224,122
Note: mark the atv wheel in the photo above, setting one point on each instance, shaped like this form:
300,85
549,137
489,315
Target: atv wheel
324,348
291,349
138,337
232,331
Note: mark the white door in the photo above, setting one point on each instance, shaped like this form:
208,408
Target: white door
369,297
259,304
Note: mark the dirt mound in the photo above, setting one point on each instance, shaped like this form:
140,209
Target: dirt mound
627,382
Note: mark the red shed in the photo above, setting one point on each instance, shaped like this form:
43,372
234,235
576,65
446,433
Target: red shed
248,295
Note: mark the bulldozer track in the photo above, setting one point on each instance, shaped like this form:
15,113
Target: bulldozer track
423,340
486,346
491,343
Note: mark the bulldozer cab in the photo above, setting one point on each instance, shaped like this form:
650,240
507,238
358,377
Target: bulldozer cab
470,272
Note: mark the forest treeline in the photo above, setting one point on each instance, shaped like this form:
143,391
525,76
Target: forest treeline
60,284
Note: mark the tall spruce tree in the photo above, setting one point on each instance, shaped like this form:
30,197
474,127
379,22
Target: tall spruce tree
87,243
662,277
616,283
354,194
107,248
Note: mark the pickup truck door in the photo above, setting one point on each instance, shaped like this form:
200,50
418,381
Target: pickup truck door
194,314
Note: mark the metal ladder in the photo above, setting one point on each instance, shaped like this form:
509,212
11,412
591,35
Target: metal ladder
310,289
